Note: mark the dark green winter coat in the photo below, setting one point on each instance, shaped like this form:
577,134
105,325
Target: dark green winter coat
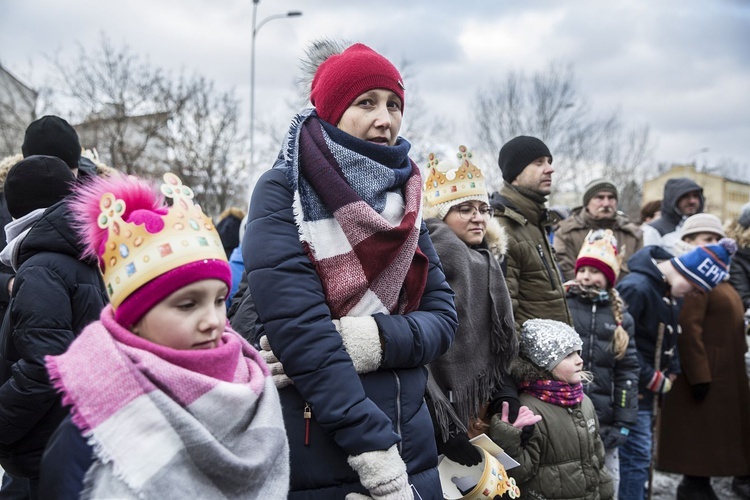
564,457
533,278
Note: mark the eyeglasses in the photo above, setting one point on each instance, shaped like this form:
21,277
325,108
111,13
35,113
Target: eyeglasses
467,212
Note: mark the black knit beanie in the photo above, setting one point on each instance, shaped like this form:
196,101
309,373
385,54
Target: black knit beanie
52,136
36,182
518,153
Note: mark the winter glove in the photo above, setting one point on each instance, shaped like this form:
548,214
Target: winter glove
277,369
361,338
383,474
459,449
615,437
700,391
660,383
496,406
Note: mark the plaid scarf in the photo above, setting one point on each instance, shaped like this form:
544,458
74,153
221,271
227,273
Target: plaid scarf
358,211
553,391
168,423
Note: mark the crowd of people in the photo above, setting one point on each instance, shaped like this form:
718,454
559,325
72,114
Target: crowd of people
364,319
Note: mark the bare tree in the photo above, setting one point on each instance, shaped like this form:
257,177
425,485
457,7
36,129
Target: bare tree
206,148
549,106
121,102
17,110
144,121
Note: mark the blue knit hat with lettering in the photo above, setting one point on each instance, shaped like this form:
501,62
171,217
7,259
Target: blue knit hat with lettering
706,266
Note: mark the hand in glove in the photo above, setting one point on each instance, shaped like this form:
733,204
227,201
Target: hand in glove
497,404
277,369
361,338
700,391
615,437
660,383
383,474
459,449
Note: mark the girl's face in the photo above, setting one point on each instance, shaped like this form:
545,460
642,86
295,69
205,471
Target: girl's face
701,239
469,221
591,276
569,369
193,317
374,116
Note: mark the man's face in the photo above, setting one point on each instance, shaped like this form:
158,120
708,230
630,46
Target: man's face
603,205
537,176
689,203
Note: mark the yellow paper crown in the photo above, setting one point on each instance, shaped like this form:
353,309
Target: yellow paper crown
446,182
601,244
133,256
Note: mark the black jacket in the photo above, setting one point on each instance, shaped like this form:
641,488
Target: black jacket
614,390
55,295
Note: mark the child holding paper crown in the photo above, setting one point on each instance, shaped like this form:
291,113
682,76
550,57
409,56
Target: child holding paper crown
166,400
471,245
564,456
608,345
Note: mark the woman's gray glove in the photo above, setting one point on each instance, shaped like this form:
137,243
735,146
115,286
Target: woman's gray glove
383,474
280,378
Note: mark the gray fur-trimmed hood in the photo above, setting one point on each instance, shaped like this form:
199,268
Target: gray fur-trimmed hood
740,234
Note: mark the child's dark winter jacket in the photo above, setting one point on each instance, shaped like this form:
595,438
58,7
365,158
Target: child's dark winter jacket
564,457
55,295
647,294
614,390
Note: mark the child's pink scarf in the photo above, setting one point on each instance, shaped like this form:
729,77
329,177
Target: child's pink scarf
553,391
209,420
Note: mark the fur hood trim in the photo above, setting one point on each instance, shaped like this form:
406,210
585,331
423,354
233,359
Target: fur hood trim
740,234
5,165
523,370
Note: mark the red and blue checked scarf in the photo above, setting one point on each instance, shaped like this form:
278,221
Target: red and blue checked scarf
358,211
167,423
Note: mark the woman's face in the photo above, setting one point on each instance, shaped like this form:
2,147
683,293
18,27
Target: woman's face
468,221
374,116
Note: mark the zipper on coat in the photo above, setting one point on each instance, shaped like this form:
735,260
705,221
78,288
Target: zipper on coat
307,415
592,335
546,265
398,409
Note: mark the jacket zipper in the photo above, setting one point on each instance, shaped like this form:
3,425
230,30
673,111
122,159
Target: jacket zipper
307,415
398,409
546,265
592,335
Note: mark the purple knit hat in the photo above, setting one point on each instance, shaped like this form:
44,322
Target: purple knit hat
147,250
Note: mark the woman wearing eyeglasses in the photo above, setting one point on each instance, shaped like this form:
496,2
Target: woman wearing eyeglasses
470,380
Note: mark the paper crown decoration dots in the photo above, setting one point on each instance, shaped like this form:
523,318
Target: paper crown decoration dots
133,256
444,185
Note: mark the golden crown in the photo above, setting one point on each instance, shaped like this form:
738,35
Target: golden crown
446,182
133,256
601,244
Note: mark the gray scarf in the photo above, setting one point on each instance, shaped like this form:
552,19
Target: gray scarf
465,377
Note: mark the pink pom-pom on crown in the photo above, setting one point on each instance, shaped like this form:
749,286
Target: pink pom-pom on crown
144,204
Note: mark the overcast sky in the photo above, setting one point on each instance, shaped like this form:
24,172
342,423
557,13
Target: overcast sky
680,66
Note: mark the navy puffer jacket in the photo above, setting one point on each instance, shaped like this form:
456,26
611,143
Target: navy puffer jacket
647,295
55,295
351,414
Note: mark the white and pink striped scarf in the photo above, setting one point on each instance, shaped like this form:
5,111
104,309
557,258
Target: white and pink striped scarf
358,211
168,423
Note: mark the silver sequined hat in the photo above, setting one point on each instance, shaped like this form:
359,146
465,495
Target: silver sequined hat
546,342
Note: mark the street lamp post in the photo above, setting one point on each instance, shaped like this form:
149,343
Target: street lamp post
256,28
